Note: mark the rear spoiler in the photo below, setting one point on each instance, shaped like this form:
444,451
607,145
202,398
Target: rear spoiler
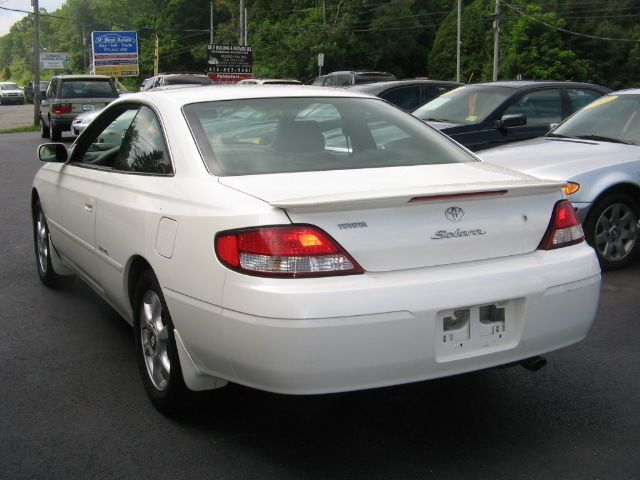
390,198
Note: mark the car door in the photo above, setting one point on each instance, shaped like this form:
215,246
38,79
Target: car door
132,201
541,107
72,208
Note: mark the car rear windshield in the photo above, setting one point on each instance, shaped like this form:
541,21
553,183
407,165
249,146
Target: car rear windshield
464,105
275,135
87,89
614,117
9,86
187,80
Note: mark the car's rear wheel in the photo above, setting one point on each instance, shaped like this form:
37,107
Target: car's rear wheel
56,133
156,350
42,245
612,230
45,132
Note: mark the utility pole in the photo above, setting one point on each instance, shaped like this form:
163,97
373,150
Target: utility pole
156,57
84,53
246,29
36,62
211,23
241,23
458,41
324,12
496,40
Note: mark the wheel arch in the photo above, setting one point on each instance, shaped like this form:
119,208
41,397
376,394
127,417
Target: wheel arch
628,188
34,198
137,265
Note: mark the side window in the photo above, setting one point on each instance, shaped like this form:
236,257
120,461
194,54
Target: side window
106,143
52,88
541,107
579,97
143,149
343,80
406,98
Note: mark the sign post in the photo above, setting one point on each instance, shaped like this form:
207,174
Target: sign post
115,53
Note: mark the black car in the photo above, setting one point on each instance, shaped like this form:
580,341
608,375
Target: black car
350,77
485,115
407,94
28,90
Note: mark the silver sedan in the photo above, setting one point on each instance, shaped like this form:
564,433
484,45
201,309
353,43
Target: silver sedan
597,151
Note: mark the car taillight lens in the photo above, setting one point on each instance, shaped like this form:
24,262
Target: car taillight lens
61,108
285,251
564,228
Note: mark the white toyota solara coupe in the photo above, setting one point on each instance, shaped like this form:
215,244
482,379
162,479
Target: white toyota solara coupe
303,240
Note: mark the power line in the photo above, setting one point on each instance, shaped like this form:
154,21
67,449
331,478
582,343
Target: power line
569,31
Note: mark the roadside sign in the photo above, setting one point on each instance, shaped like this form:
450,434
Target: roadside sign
223,78
230,59
115,53
54,60
321,59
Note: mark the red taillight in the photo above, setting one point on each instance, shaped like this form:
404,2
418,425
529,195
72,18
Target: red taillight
61,108
564,228
287,251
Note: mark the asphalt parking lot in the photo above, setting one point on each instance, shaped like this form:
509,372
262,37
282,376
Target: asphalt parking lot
72,404
13,116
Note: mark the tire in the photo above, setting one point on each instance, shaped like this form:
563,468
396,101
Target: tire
156,351
56,133
42,247
612,230
45,132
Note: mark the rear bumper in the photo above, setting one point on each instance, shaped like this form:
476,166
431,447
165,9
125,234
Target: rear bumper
348,333
61,123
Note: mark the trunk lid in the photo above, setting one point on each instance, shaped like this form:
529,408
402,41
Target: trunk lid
412,217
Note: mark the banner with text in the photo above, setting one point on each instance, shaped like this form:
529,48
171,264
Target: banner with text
230,59
115,53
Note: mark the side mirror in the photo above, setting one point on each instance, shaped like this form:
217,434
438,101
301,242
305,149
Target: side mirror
53,152
512,120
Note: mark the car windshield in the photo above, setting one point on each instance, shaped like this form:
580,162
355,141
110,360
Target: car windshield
44,85
464,105
614,118
87,89
9,86
274,135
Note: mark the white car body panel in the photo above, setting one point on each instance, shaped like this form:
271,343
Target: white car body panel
317,335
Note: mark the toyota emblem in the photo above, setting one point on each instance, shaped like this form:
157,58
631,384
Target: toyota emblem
454,214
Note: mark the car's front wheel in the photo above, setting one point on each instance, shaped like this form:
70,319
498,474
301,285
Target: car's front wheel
612,230
42,245
156,350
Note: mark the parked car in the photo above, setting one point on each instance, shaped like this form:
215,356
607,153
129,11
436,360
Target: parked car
269,81
10,93
344,78
407,94
485,115
166,79
28,90
83,120
597,151
69,95
242,248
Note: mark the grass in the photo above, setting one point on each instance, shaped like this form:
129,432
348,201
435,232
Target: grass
28,128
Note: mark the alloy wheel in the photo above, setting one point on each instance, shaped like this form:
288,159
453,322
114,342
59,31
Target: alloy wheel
154,336
616,231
